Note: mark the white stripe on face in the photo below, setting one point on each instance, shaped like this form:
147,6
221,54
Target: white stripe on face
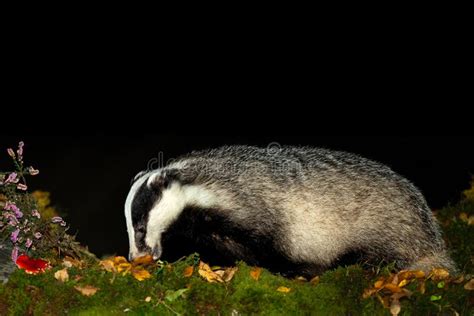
128,214
173,201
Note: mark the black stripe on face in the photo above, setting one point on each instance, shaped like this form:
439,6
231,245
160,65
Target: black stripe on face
142,203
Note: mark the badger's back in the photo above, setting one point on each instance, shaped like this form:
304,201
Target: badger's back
313,207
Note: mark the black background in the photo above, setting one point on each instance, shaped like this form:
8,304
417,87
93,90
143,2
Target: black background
89,176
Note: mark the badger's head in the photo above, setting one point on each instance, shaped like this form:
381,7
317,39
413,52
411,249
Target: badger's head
156,199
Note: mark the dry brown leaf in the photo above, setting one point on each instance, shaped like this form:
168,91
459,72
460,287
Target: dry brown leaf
283,289
108,265
143,260
301,279
219,272
87,290
148,299
401,294
439,274
392,288
314,280
459,279
209,275
469,285
229,274
62,275
140,274
255,273
395,307
378,284
188,271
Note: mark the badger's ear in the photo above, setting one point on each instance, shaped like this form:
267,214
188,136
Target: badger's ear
164,180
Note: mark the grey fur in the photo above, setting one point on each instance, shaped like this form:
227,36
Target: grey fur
318,205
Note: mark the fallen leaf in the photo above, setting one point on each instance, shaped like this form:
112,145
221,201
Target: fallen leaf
301,279
87,290
62,275
439,274
140,274
378,284
229,274
255,273
209,275
401,294
403,283
470,220
469,285
392,288
314,280
30,265
395,307
422,287
143,260
119,259
459,279
369,292
148,299
173,295
463,217
219,272
283,289
123,267
188,271
108,265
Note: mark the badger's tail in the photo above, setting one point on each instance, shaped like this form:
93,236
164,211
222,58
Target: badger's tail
435,260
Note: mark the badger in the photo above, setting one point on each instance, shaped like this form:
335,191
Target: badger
292,210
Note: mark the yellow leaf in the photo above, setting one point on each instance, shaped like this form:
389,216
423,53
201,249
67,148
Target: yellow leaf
141,274
123,267
61,275
188,271
108,265
148,299
419,274
87,290
470,220
119,260
369,292
143,260
439,274
403,283
255,273
283,289
463,217
209,275
469,285
378,284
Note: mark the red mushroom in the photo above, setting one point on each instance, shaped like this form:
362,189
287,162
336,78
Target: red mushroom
32,266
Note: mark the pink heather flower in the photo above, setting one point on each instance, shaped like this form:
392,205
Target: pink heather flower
14,236
56,219
33,171
9,206
38,235
35,213
18,213
11,152
15,254
12,178
28,243
20,149
21,186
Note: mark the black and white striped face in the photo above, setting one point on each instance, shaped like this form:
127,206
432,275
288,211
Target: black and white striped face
156,199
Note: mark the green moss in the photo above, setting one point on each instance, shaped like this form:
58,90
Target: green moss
339,291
